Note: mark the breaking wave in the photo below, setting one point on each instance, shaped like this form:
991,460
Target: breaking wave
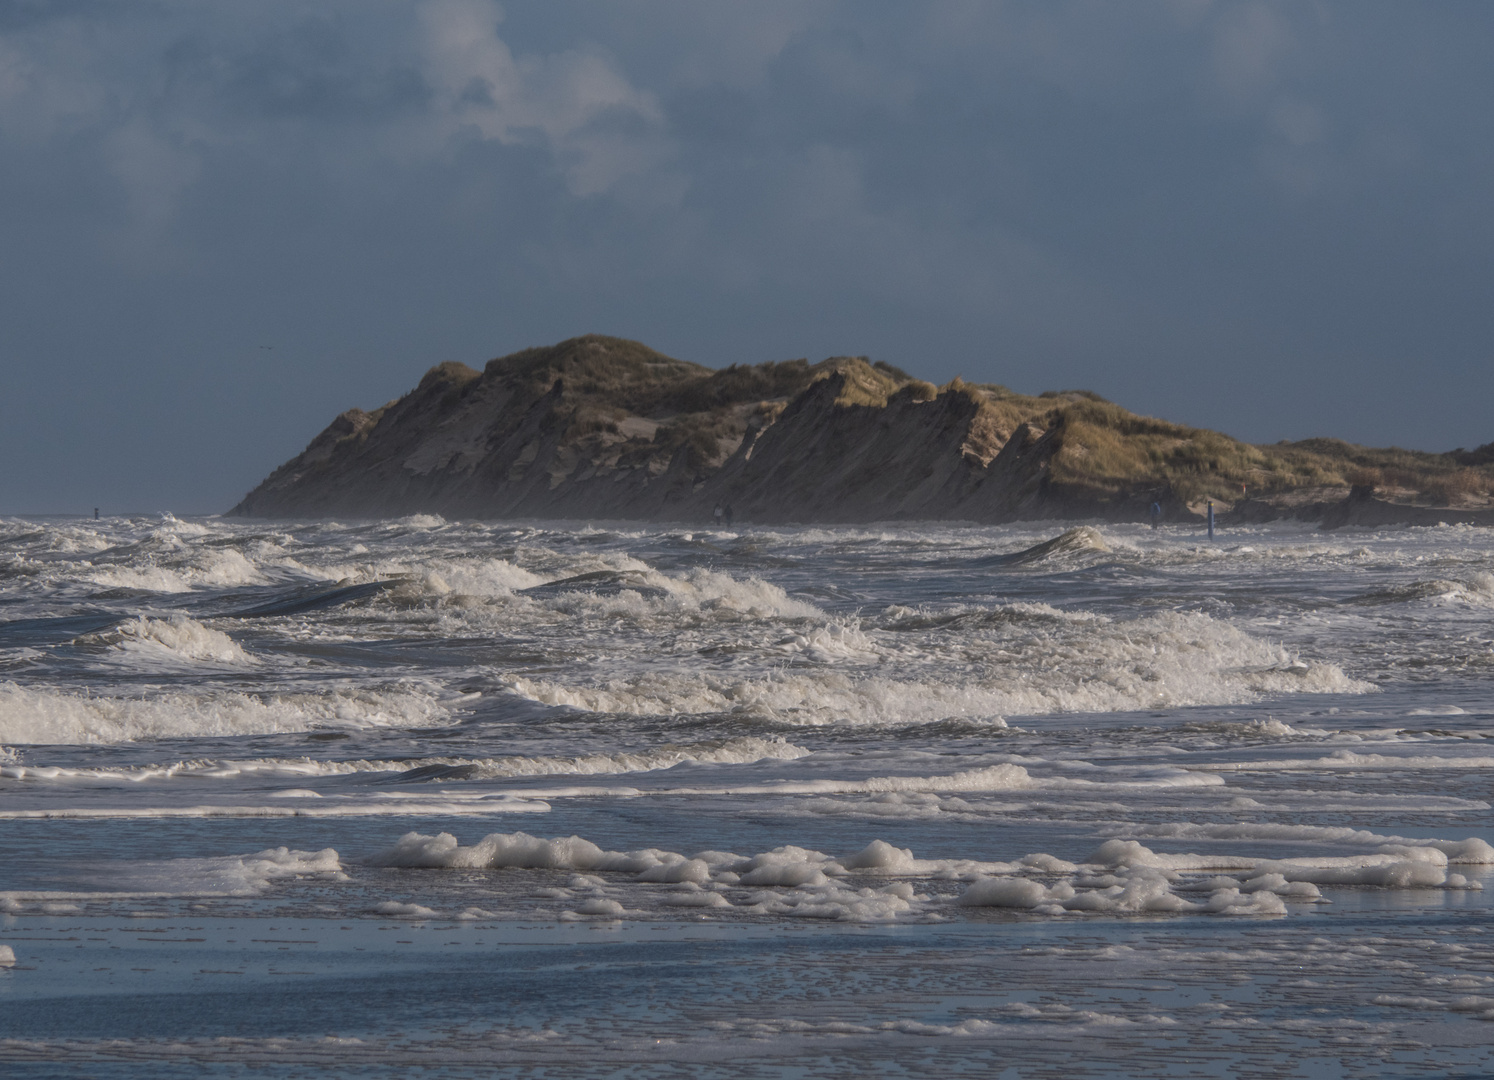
1092,665
177,638
44,716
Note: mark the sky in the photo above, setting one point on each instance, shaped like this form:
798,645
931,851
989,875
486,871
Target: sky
223,224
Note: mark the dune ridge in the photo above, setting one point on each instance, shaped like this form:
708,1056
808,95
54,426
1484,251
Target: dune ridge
604,428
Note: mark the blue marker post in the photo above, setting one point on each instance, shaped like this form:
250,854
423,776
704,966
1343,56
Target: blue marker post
1211,519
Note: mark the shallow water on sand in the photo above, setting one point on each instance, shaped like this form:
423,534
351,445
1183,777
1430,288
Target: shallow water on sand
561,799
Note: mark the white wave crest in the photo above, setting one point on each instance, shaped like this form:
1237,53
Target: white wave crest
790,698
739,751
1163,661
176,638
1471,850
212,568
222,876
699,592
478,578
46,716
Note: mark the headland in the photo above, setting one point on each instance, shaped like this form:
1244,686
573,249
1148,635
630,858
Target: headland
604,428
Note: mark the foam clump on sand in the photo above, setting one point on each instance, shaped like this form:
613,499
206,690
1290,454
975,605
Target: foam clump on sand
1126,876
788,880
1121,877
1133,891
249,875
241,875
491,852
1393,865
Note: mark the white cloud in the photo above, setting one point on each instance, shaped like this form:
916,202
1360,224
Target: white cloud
1249,44
48,82
156,94
154,168
1298,122
600,127
733,44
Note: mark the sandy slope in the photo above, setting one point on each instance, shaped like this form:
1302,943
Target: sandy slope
600,428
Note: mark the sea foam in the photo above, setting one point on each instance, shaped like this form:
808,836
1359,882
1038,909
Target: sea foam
42,715
1023,665
177,638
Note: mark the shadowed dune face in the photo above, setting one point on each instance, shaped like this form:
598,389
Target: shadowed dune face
601,427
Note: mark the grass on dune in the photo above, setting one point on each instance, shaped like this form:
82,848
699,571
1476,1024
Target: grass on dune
1098,446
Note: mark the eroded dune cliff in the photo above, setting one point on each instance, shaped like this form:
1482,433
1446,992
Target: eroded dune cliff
600,427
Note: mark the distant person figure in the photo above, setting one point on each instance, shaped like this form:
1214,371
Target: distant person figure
1211,519
95,513
727,515
1156,514
720,513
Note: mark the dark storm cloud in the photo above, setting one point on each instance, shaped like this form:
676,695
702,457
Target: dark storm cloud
222,225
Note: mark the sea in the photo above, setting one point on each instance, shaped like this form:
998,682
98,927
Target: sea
436,798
